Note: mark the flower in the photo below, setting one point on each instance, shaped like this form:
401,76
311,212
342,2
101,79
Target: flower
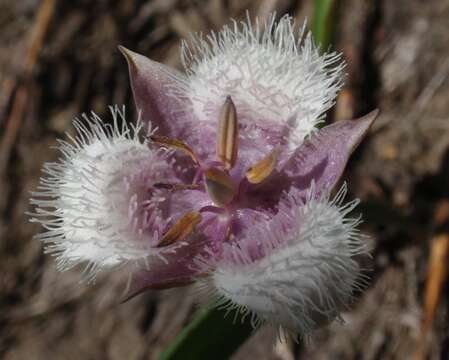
232,185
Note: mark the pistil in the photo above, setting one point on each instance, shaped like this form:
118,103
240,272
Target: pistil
217,182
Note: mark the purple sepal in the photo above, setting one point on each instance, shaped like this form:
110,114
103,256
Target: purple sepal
322,158
175,270
157,92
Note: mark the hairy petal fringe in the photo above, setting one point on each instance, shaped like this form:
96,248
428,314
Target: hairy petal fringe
299,270
282,79
94,202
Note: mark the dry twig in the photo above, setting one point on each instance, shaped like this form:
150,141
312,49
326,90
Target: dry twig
437,275
37,35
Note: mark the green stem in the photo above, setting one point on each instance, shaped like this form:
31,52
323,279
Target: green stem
210,335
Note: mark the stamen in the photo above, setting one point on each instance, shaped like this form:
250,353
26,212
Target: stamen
175,144
181,229
263,168
175,187
219,186
228,134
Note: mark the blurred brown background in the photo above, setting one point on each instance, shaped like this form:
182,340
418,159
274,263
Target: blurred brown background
60,58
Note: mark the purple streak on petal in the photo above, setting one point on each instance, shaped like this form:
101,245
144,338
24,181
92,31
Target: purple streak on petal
177,269
215,228
180,201
242,225
155,88
323,157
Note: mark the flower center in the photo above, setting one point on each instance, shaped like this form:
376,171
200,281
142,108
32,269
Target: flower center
218,184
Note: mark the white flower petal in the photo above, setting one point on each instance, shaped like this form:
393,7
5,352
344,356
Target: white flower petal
297,271
94,202
273,71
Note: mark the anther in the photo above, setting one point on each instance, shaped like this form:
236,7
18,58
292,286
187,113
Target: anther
263,168
174,144
227,134
181,229
219,186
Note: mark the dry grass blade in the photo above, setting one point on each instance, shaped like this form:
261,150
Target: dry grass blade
37,35
436,278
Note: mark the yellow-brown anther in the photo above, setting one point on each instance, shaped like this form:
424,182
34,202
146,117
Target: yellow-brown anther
174,144
219,186
228,134
262,169
181,228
